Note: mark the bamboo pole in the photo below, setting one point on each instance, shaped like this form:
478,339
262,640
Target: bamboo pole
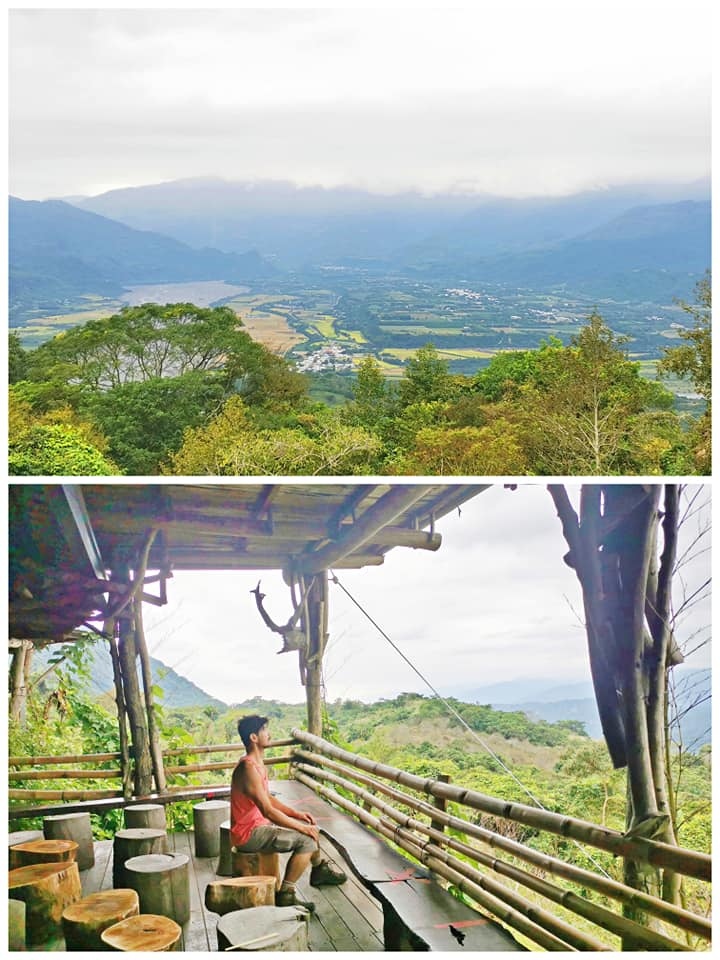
109,627
74,758
688,862
199,767
585,878
63,794
504,903
155,751
618,925
313,622
66,775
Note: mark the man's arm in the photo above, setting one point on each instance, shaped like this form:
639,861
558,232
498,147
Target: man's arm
290,812
251,784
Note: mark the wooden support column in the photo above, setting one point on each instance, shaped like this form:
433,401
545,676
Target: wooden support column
317,618
137,717
109,628
19,669
155,749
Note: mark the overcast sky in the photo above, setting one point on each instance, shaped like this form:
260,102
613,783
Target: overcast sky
495,603
513,97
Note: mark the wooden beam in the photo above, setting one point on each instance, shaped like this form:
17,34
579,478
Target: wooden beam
68,506
383,513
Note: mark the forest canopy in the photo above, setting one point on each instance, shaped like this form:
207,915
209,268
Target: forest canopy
180,389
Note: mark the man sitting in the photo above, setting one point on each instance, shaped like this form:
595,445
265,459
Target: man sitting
259,823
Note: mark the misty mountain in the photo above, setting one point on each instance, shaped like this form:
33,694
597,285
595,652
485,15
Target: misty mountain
646,251
178,690
57,251
302,226
548,700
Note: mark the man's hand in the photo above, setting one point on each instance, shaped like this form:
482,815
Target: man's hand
305,817
310,830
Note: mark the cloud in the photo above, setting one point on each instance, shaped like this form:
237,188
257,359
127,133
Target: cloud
508,98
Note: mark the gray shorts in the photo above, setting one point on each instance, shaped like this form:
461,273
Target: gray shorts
277,840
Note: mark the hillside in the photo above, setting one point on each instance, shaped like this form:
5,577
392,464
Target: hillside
301,226
58,253
178,690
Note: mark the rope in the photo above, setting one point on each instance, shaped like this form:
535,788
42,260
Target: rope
455,713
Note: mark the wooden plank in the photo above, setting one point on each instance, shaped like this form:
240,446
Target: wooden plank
435,918
195,935
370,858
93,880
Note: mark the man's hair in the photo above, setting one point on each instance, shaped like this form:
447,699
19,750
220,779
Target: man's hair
249,725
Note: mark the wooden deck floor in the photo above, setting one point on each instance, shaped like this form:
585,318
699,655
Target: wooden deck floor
346,917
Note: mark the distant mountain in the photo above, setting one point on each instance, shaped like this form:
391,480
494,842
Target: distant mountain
178,690
546,700
303,226
647,251
58,252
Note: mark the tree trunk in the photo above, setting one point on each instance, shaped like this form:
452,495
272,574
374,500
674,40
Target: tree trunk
240,893
135,705
109,628
317,636
19,671
155,749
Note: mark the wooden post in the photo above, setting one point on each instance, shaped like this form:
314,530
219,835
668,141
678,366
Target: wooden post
136,713
440,803
316,630
155,749
109,628
19,669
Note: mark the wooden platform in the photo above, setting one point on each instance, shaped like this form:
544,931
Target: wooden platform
346,918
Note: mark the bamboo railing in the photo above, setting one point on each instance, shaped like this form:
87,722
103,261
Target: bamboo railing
17,774
448,855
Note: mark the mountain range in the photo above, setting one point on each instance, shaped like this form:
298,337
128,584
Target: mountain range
648,243
58,252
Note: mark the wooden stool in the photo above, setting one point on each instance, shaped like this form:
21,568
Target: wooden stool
162,882
135,843
240,893
84,921
146,933
146,815
264,928
256,865
207,818
224,866
42,851
73,826
46,889
24,836
16,925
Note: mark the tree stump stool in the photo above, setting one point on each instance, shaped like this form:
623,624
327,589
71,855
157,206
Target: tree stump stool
224,866
207,819
145,933
73,826
239,893
146,815
264,928
162,882
256,865
16,925
135,842
43,851
24,836
83,922
46,889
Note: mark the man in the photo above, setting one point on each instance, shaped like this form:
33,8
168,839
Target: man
259,823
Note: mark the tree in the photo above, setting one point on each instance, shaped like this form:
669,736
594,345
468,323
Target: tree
373,398
230,445
587,410
141,343
693,359
145,422
17,358
425,378
626,583
446,451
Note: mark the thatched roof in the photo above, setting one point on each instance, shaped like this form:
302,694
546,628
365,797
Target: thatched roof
65,539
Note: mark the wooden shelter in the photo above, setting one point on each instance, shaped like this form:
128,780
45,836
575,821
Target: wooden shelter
87,556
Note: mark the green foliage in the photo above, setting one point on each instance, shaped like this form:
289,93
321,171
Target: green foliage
56,450
145,421
17,358
426,378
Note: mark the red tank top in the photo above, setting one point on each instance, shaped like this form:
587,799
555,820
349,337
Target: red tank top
245,815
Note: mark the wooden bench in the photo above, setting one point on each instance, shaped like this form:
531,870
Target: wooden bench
418,913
